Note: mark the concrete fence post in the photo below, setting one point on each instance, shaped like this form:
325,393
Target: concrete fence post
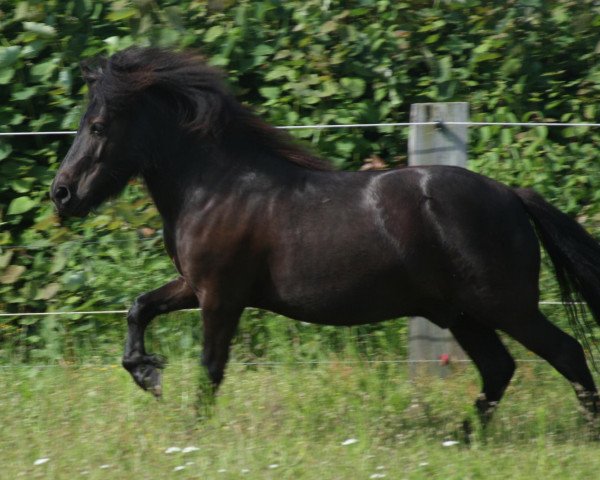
432,349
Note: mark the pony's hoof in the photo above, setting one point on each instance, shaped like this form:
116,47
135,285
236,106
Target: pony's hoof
149,378
153,382
467,431
146,372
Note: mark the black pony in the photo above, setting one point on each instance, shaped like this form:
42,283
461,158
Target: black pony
251,219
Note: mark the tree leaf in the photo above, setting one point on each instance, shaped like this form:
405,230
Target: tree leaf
213,33
20,205
122,14
48,291
8,56
355,86
12,274
22,185
24,94
270,92
5,149
6,75
263,50
43,70
5,258
59,261
41,29
282,71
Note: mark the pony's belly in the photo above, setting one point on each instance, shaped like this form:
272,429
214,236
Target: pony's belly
328,307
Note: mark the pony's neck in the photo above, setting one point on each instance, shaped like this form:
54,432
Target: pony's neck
180,167
190,172
172,172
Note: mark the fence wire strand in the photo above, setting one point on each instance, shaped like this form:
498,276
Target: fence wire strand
322,126
267,363
124,311
317,127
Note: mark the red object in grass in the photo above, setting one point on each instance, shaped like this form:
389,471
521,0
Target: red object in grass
444,359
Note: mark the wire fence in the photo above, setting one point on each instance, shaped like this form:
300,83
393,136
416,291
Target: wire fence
124,311
367,125
109,360
438,124
63,363
271,364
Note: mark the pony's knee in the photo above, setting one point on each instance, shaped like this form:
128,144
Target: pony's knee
138,310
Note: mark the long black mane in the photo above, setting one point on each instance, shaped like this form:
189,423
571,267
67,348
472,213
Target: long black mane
197,91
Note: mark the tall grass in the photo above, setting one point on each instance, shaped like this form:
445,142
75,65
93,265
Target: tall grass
336,420
299,401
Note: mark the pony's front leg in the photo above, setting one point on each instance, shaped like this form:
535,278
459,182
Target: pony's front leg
143,367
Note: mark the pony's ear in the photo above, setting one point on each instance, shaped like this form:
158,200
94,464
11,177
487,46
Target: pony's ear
92,69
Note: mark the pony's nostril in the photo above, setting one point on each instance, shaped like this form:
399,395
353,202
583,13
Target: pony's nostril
62,194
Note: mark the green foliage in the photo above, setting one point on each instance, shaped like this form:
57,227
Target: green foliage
297,63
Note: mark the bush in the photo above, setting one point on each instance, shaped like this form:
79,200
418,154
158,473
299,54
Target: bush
296,62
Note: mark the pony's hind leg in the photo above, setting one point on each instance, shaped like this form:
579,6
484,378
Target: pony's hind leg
143,367
563,352
492,359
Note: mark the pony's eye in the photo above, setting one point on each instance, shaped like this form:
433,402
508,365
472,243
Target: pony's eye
97,128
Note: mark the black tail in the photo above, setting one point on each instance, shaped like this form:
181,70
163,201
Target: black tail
575,255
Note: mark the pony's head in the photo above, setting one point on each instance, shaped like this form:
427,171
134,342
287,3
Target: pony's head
145,105
136,97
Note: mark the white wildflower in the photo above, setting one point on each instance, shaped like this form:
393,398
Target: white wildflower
274,465
450,443
349,441
179,468
190,449
41,461
173,450
378,475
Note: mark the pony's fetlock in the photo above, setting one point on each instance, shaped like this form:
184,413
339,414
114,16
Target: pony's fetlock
485,409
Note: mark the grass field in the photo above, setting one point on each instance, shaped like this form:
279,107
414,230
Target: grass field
335,420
